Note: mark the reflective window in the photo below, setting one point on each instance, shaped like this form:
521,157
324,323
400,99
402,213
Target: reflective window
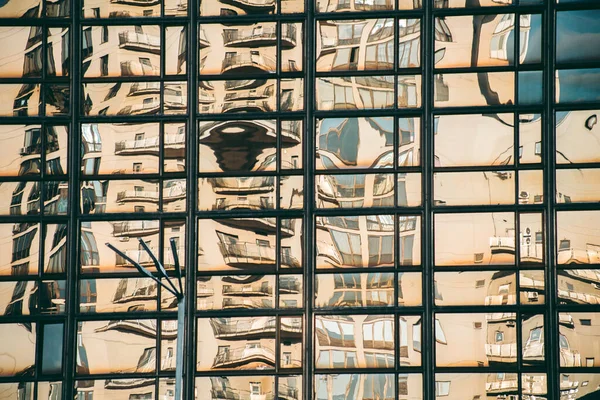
368,199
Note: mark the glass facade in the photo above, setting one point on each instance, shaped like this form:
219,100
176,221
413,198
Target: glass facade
370,199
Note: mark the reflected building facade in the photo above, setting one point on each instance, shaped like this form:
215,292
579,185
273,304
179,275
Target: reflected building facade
370,200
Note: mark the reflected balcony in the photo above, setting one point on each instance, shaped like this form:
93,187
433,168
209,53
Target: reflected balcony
504,353
256,184
222,392
174,192
260,36
142,327
532,253
136,68
139,256
571,255
248,290
139,88
253,5
287,392
139,42
289,285
250,94
129,383
244,203
570,358
502,317
141,291
242,84
247,106
138,195
534,351
502,244
135,228
501,386
205,97
574,297
263,224
231,358
248,62
204,291
149,106
141,146
202,39
225,328
500,299
247,303
244,254
141,3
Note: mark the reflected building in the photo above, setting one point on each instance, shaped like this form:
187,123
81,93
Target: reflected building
249,244
347,242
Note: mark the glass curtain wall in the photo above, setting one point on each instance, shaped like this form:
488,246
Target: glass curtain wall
370,199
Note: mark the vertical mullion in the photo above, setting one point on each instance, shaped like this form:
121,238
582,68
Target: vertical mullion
70,347
427,259
309,201
548,137
192,65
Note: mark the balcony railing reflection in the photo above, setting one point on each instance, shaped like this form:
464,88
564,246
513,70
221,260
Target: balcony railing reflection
248,60
578,297
135,228
252,4
136,68
202,39
147,107
139,41
571,255
501,352
149,145
224,328
244,203
289,285
287,392
228,393
128,383
570,358
144,88
137,195
245,253
137,2
232,37
247,106
256,184
502,244
242,84
247,303
501,386
258,289
242,355
139,326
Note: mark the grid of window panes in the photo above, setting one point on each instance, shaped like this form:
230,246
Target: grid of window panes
250,144
35,75
370,199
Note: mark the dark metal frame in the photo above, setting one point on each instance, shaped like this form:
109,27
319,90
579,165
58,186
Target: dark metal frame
427,210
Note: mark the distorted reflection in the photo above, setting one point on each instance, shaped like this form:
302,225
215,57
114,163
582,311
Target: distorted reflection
249,243
578,332
95,257
577,134
357,386
247,343
491,338
493,385
366,241
578,237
